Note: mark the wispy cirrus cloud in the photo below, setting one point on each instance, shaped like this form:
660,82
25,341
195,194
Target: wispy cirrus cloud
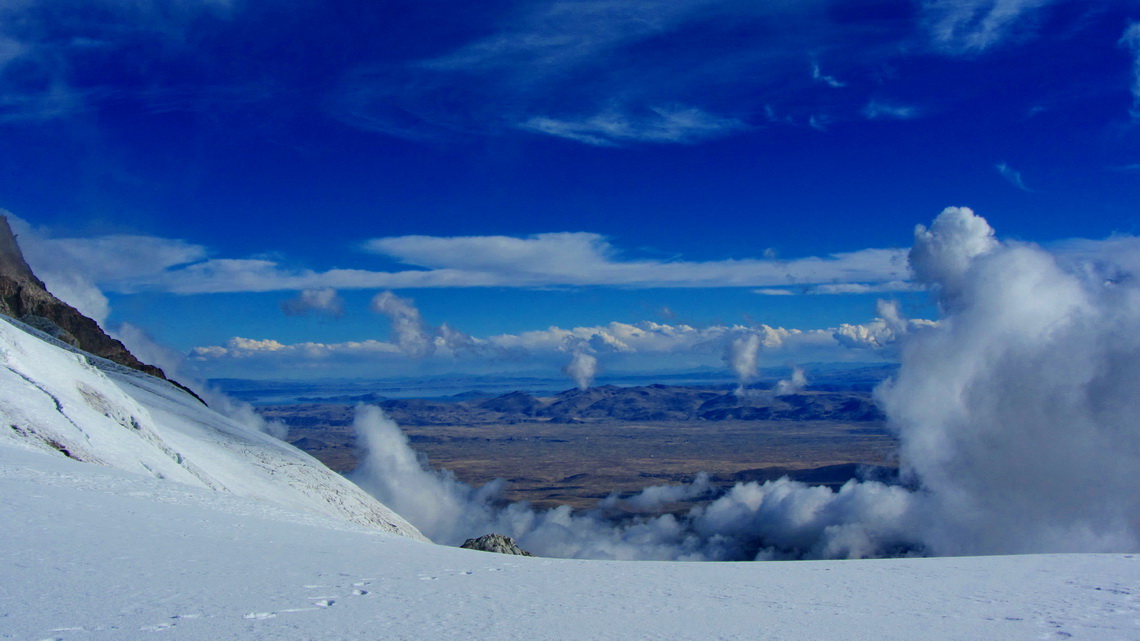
1012,176
1131,40
42,55
831,81
611,128
961,27
879,110
616,73
845,288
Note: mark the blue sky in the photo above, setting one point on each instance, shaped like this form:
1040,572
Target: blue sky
239,180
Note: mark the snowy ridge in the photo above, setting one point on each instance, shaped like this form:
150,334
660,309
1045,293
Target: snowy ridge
76,405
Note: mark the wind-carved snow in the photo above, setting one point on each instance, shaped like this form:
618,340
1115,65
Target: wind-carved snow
88,409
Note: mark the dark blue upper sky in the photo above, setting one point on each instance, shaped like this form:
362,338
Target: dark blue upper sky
648,160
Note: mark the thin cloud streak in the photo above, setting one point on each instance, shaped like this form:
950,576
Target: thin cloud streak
595,73
830,81
133,264
1012,176
1131,40
878,110
964,27
612,128
40,63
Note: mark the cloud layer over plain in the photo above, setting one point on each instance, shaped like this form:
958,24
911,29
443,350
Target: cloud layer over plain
1015,412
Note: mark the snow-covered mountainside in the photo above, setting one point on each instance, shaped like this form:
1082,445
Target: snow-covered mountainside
59,400
92,553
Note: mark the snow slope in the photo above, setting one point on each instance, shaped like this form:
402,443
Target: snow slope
93,553
183,525
72,404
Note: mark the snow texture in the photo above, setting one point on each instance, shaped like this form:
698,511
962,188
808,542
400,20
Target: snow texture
76,405
94,553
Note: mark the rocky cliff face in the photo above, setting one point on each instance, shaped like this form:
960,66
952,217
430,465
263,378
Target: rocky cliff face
25,298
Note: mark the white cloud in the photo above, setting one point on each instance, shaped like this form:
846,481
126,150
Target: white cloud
633,345
942,254
888,328
878,110
830,81
673,125
843,288
543,260
972,26
865,288
238,347
1012,176
1016,418
321,301
658,338
132,264
542,253
77,269
238,344
408,327
1131,40
1018,412
742,355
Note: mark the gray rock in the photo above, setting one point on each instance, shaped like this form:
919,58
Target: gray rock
48,327
495,543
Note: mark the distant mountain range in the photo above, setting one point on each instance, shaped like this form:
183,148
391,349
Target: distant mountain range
831,377
648,403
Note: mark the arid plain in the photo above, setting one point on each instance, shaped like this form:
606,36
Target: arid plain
577,447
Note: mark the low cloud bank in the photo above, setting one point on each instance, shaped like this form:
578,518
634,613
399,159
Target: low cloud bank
775,520
1016,415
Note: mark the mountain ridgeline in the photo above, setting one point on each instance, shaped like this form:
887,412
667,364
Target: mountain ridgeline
648,403
24,297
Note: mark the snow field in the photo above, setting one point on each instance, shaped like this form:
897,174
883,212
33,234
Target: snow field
95,553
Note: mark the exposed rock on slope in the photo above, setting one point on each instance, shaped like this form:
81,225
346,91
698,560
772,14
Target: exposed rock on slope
95,402
498,543
26,298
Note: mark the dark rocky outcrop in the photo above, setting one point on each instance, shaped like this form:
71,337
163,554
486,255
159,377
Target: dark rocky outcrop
495,543
24,297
